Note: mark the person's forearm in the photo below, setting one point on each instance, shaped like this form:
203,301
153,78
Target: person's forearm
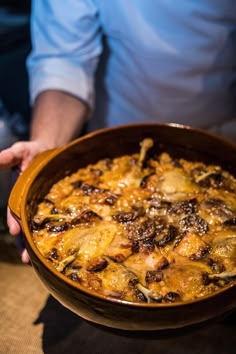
57,118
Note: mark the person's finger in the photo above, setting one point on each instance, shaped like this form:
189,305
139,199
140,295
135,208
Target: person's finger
25,256
20,154
13,225
15,230
8,158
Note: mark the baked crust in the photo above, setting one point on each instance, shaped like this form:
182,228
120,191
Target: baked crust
142,227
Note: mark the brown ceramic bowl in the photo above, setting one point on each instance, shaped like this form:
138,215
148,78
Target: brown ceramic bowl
49,167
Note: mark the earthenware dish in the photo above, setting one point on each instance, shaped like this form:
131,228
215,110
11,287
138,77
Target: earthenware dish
49,167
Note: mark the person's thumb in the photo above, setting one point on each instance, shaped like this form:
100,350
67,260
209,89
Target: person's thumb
13,225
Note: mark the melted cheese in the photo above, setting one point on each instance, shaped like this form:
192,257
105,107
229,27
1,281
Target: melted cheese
142,229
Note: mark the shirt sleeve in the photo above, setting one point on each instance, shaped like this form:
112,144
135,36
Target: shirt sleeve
66,45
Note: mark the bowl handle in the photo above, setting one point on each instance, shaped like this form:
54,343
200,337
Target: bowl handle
14,201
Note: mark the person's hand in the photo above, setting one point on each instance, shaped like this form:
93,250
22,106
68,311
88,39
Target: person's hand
19,155
15,230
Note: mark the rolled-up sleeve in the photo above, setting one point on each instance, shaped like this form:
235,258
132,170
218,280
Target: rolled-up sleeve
66,45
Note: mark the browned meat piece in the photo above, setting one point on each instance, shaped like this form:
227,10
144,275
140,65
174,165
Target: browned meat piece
125,217
97,265
119,249
192,246
183,207
87,217
194,223
153,276
57,226
167,236
139,231
218,208
230,222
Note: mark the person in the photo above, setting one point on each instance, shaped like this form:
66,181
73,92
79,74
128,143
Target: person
98,63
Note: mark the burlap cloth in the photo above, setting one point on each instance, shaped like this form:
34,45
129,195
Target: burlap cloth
33,322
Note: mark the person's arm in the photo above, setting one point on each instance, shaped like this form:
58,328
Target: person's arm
66,46
58,117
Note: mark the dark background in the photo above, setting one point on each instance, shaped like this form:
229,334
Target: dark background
14,48
14,97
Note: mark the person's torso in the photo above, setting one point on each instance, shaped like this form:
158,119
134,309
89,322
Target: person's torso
168,61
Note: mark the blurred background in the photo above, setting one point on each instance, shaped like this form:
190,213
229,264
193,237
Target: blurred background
14,98
14,47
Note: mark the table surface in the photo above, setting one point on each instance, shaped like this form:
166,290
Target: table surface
31,321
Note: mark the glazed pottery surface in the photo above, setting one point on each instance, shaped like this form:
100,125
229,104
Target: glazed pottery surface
51,166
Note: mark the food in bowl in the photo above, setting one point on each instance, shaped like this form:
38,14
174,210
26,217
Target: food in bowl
143,227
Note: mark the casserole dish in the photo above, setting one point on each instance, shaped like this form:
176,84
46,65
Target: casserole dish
52,166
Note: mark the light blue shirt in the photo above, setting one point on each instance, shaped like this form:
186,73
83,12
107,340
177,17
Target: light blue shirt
163,60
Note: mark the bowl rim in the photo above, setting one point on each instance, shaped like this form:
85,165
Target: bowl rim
77,286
